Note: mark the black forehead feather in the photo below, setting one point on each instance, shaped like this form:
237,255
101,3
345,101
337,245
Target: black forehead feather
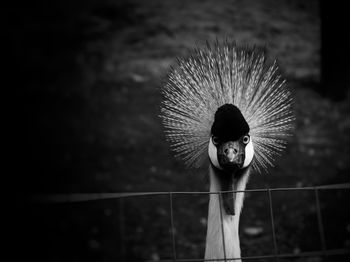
229,123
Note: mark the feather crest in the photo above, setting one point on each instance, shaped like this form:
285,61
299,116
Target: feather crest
225,73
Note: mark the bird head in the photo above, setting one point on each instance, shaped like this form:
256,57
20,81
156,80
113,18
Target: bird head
230,150
230,146
231,102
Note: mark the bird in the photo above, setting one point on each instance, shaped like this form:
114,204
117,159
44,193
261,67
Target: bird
226,106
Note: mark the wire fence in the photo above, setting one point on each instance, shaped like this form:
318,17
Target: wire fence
276,256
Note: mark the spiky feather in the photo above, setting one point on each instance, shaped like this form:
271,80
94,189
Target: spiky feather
225,73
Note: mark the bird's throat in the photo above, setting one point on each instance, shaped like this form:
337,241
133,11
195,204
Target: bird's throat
228,181
228,199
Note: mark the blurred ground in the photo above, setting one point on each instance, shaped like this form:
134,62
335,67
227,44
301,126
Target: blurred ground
88,122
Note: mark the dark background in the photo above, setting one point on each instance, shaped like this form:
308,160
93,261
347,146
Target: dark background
86,79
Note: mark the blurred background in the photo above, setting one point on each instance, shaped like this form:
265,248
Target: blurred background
86,106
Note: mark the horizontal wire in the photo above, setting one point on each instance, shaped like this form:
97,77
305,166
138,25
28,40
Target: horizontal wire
331,252
83,197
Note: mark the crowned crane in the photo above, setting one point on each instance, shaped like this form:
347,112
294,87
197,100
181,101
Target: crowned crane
228,105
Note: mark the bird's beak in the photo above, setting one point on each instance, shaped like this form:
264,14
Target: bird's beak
230,154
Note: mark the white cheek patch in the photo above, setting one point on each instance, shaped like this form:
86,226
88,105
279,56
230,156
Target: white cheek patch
213,154
249,153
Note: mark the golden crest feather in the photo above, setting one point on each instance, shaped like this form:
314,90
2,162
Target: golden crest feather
225,73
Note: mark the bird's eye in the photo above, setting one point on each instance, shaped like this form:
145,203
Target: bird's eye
246,139
215,140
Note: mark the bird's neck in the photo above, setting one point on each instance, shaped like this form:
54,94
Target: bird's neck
226,232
